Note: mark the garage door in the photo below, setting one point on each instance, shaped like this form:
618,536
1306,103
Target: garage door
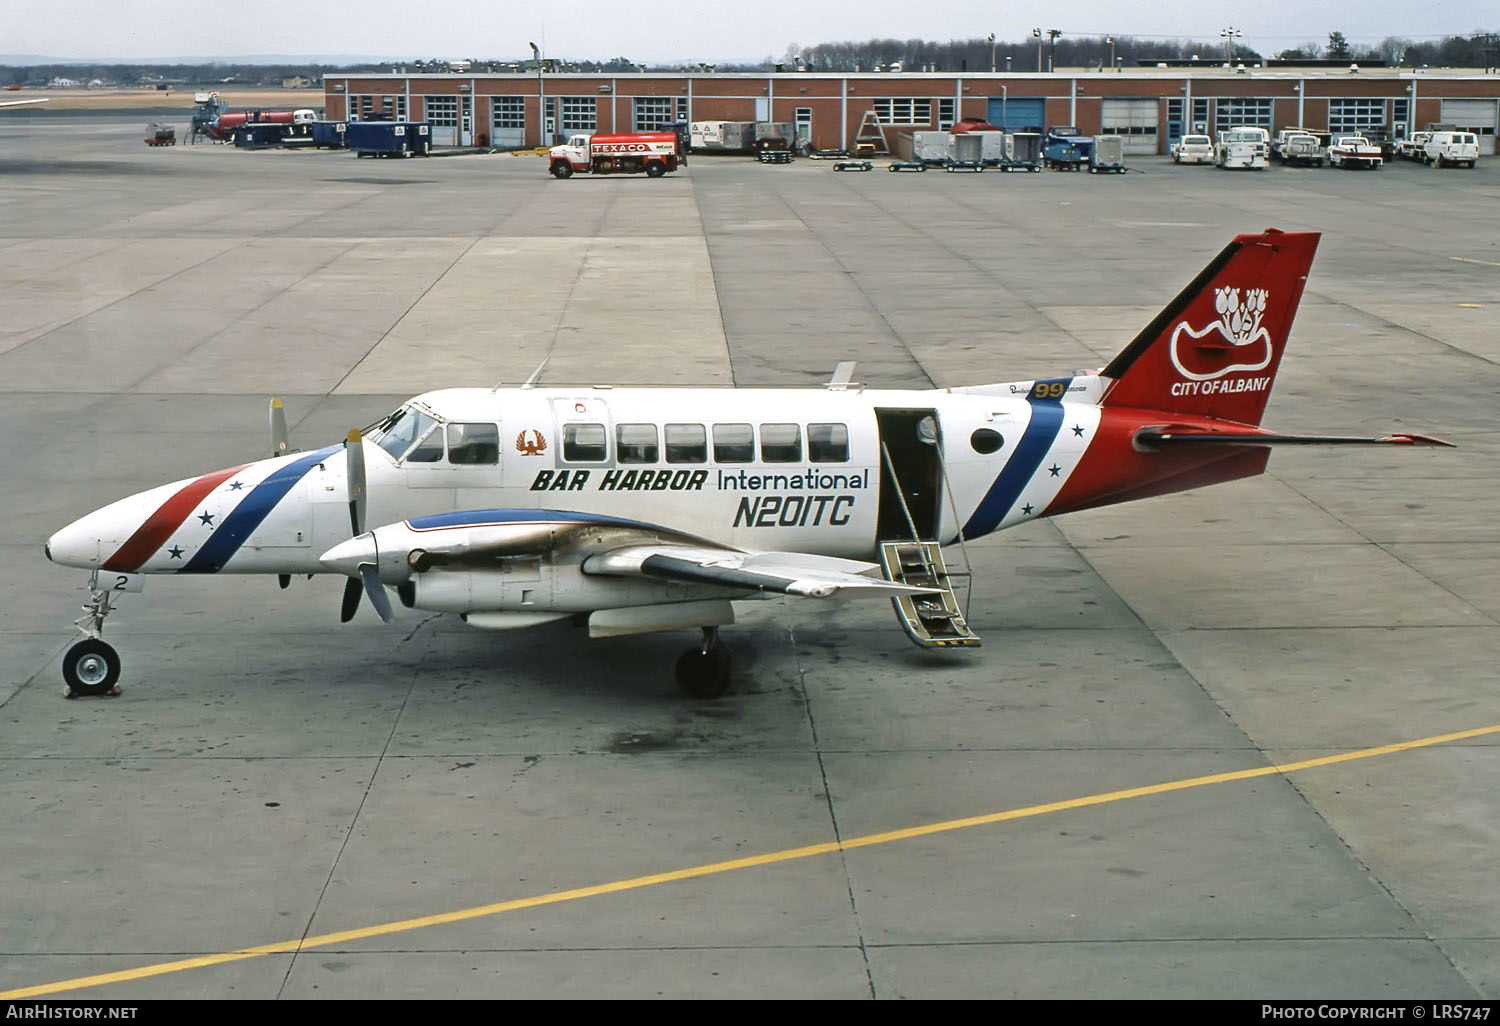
1017,115
1477,116
1139,121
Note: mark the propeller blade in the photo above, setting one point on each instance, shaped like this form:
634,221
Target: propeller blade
278,428
373,588
354,447
351,600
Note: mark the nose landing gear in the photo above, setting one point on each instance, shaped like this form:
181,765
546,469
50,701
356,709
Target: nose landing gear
92,666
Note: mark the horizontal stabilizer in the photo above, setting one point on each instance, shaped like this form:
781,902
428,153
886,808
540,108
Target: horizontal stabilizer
1159,437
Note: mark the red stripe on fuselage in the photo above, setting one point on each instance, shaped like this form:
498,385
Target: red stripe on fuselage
159,526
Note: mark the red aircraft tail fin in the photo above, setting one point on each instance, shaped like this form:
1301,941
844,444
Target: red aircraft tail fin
1214,350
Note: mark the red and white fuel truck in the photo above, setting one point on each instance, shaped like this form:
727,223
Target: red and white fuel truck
655,153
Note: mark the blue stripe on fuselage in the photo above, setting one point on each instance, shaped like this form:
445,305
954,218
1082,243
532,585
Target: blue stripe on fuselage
1046,421
255,507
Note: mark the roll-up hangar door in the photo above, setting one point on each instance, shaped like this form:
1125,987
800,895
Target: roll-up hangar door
1477,116
1018,115
1138,121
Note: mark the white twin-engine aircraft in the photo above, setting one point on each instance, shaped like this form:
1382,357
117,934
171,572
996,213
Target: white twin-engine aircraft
646,509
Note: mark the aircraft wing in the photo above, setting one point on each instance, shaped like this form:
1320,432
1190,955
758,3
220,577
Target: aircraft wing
790,573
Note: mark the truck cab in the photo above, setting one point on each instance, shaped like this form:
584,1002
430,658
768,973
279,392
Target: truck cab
571,156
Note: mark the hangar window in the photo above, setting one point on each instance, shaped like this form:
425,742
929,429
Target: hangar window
585,443
377,108
1355,116
580,113
687,443
734,443
508,111
651,112
781,443
473,444
946,113
827,443
896,110
1240,111
441,111
636,443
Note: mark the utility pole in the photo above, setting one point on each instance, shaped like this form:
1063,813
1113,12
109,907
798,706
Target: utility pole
541,100
1052,35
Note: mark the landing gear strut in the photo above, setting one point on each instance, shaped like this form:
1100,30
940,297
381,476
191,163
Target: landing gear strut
703,672
92,666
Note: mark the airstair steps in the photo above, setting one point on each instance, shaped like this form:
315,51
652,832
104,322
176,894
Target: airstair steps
932,620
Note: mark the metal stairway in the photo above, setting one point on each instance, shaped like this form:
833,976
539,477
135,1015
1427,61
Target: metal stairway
931,620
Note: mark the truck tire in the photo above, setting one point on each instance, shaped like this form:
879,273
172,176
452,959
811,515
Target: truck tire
655,170
562,169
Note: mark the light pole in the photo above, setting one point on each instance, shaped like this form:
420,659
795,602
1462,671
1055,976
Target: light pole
1037,35
1111,41
993,45
1052,35
541,98
1230,35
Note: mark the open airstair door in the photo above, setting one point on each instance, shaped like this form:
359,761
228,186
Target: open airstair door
911,498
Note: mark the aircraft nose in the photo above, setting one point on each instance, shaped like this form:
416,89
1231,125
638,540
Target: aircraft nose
347,557
81,543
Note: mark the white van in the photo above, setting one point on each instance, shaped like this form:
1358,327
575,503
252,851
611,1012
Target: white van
1244,147
1449,149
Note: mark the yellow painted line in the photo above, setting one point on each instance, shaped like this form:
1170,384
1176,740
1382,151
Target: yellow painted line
1469,260
715,868
1471,306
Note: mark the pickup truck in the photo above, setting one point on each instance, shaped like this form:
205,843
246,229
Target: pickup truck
1354,151
1415,147
1193,149
1302,148
1452,149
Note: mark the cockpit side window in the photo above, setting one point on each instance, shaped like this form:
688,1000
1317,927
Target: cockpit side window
429,449
473,444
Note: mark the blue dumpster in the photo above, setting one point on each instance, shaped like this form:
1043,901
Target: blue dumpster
389,138
329,134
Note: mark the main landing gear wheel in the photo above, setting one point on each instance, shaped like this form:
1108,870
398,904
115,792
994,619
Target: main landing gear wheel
91,667
703,672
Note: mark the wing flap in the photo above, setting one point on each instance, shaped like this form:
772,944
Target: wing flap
788,573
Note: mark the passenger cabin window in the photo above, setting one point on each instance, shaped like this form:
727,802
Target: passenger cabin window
734,443
585,443
473,444
781,443
636,443
827,443
687,443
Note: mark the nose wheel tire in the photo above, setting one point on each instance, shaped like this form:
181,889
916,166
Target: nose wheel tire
91,667
704,674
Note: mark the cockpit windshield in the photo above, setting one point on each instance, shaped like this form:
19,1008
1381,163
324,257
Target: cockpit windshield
402,431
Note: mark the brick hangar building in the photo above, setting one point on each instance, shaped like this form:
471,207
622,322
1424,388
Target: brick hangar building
1150,107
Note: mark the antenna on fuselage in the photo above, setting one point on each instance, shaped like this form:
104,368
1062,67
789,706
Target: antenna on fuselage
843,374
536,374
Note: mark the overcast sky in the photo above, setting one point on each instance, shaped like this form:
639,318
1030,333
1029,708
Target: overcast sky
673,30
